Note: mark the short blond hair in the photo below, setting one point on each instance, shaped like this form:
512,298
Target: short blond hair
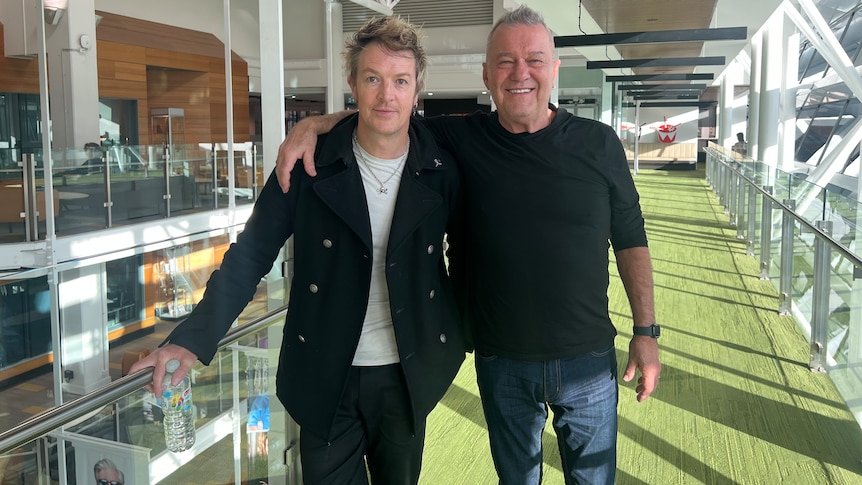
394,35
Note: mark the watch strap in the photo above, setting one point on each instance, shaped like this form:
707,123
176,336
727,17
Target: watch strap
653,330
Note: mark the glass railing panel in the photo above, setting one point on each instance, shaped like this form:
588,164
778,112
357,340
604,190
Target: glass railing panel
12,204
844,332
137,196
133,178
80,181
120,426
190,177
802,279
248,171
26,345
774,269
843,212
27,464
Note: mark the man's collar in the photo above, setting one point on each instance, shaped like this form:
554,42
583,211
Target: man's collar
337,145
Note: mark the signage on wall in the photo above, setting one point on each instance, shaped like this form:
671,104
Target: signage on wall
666,132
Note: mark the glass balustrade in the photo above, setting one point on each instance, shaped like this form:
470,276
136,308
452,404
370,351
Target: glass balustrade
116,433
132,184
806,238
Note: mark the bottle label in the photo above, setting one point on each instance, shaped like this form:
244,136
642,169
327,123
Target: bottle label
179,401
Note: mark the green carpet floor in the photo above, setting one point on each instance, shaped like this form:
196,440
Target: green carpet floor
736,404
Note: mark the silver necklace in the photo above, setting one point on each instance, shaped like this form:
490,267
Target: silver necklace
361,155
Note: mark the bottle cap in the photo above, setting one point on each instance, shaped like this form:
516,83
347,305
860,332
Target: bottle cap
172,365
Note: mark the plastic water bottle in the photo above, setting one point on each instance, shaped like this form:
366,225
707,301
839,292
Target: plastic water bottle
179,421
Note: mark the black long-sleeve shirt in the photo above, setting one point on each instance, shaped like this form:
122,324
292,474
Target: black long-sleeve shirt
543,208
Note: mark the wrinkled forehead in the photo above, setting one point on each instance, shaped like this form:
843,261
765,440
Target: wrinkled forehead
521,37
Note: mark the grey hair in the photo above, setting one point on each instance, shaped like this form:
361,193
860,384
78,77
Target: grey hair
522,15
106,464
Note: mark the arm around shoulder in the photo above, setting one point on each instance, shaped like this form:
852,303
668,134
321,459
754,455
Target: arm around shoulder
300,144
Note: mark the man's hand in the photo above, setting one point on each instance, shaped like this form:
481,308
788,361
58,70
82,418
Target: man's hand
643,356
157,361
300,144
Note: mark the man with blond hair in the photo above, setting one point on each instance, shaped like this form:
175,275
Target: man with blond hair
373,338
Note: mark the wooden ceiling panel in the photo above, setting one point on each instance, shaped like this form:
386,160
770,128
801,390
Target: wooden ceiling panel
650,15
616,16
663,50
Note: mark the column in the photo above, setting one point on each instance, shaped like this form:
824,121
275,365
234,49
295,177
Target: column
789,84
607,116
282,429
334,47
770,86
725,110
84,323
754,95
73,76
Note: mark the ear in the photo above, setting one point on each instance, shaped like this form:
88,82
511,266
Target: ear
352,84
556,68
485,74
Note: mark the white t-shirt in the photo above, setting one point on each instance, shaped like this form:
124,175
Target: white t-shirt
381,179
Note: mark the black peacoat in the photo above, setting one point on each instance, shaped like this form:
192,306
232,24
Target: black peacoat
328,217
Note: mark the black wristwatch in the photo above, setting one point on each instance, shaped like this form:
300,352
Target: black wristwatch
653,330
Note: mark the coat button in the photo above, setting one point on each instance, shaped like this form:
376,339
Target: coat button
313,288
431,249
301,338
327,243
443,337
431,295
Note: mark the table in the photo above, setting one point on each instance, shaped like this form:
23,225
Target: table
67,198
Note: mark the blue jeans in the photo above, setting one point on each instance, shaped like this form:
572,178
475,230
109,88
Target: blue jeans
582,392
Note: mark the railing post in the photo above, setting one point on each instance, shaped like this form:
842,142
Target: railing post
752,218
109,197
215,176
730,203
766,234
168,168
28,186
820,299
740,207
710,167
787,234
254,188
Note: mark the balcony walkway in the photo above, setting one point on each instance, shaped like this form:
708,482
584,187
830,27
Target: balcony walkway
737,403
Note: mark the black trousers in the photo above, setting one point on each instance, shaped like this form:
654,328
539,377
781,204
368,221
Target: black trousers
374,427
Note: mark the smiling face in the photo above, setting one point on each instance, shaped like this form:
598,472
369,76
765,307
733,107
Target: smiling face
520,70
385,90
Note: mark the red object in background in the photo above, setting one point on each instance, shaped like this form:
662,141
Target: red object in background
666,132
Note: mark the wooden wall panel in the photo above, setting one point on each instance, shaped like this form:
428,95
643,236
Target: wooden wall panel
117,51
186,90
18,75
178,60
132,57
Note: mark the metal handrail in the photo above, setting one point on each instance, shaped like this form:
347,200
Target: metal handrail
53,418
843,250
